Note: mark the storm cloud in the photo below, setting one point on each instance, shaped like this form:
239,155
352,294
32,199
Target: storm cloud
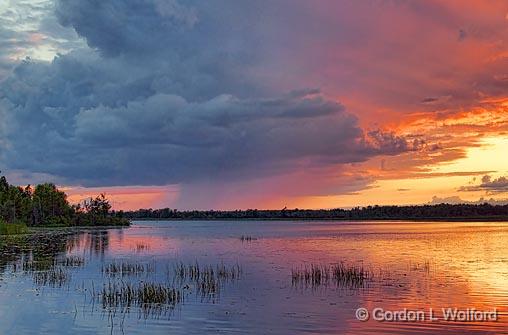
165,93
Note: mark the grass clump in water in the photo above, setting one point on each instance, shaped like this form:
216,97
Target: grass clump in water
72,261
196,271
140,247
143,295
38,265
341,275
247,238
127,269
48,263
207,279
55,277
316,275
350,275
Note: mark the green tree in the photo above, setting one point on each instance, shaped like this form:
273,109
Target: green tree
50,206
97,209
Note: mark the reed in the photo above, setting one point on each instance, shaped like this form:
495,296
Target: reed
207,279
41,264
55,277
247,238
127,269
140,247
196,271
124,294
341,275
315,275
72,261
350,275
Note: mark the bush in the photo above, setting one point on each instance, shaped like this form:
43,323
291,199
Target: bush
12,228
57,221
85,219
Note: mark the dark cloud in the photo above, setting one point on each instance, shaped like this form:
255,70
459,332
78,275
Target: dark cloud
165,95
128,27
489,185
74,119
390,143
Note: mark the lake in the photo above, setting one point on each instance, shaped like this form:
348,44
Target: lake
256,278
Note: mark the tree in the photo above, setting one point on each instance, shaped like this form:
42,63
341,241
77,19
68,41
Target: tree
97,209
50,206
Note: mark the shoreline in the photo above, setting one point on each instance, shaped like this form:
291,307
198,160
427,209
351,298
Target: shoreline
61,229
457,219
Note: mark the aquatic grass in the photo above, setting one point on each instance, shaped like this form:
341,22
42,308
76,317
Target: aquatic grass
340,274
207,279
228,272
49,263
144,295
55,277
140,247
247,238
196,271
350,275
154,298
314,275
72,261
38,264
127,269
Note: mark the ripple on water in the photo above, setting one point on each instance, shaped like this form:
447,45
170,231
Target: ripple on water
53,283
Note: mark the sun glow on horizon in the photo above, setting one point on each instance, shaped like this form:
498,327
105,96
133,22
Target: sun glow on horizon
489,155
441,180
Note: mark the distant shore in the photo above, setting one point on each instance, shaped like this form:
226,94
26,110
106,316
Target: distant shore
440,212
456,219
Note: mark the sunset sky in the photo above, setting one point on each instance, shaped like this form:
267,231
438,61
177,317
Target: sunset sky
256,104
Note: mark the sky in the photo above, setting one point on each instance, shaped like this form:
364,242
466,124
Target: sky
230,104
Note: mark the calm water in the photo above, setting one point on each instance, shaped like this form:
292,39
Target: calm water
416,266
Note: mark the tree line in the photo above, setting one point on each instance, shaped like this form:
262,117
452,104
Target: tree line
421,212
46,205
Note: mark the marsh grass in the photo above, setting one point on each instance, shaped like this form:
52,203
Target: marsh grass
340,275
151,298
140,247
56,277
350,275
122,269
197,271
247,238
72,261
38,265
154,298
48,271
49,263
207,279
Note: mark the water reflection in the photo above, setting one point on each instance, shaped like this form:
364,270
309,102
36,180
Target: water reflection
281,277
